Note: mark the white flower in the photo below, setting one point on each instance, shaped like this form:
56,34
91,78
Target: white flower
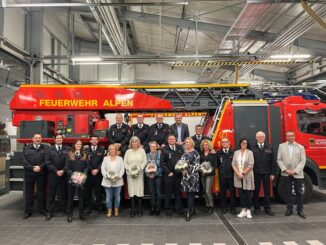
205,168
134,171
112,176
151,169
181,165
78,178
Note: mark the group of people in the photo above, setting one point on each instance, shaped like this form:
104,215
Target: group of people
150,154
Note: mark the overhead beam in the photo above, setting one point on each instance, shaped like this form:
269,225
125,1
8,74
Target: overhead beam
272,75
221,29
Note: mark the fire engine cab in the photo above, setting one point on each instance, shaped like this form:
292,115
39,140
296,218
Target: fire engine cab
76,111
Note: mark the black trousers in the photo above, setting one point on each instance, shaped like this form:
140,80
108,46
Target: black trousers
56,183
154,188
94,182
225,184
245,198
265,178
71,194
172,185
29,192
297,183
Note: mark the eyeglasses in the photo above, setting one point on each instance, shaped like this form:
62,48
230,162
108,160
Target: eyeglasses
225,142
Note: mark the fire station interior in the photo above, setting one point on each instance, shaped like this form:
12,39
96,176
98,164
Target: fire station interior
234,67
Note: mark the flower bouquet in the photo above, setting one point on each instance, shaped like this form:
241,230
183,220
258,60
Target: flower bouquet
205,168
181,165
112,176
134,171
78,178
150,169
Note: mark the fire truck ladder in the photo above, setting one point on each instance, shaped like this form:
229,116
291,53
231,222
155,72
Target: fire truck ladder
217,116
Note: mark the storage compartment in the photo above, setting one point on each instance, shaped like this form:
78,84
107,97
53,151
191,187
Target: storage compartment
101,124
28,128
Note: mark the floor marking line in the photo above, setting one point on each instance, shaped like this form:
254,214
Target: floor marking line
219,244
315,242
290,243
265,243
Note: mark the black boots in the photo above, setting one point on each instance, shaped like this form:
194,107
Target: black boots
152,211
132,211
188,215
140,208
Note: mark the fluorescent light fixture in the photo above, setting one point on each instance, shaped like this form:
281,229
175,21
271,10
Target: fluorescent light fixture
41,5
183,82
96,63
86,59
291,56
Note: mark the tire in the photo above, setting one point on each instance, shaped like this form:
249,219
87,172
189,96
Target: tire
307,189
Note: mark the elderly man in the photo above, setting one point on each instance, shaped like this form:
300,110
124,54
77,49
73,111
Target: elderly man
119,134
264,171
291,159
159,131
141,130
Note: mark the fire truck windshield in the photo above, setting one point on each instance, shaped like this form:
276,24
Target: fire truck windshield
312,122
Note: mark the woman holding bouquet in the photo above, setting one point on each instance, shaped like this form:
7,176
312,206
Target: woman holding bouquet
112,170
135,161
208,162
76,168
190,180
154,174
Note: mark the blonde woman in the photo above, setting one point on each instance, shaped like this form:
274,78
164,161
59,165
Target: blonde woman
190,180
112,170
242,164
135,161
206,147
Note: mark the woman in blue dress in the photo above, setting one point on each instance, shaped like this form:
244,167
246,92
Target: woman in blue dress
190,180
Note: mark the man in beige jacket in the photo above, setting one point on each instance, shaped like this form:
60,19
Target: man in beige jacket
291,159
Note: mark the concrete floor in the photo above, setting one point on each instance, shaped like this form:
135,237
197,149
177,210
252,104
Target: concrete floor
202,229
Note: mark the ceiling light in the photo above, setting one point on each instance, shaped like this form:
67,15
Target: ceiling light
86,59
291,56
183,82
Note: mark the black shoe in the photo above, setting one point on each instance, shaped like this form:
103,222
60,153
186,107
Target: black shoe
48,217
132,213
26,216
43,213
233,211
269,212
100,211
288,212
301,214
69,218
82,216
210,210
188,216
140,213
151,212
157,213
88,211
224,210
180,212
257,211
207,209
168,212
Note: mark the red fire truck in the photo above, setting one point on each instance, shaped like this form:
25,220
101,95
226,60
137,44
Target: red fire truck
78,111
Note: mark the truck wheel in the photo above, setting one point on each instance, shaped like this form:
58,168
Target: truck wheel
306,188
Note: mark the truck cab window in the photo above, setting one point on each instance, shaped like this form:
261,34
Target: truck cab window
313,122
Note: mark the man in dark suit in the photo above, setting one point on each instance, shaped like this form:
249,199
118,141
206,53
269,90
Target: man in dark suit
34,163
198,137
94,176
170,155
226,175
159,131
179,129
57,178
264,171
119,134
141,130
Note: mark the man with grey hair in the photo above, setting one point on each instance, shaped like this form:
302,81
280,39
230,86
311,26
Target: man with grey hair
264,171
119,134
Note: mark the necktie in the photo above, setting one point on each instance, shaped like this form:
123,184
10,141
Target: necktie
226,151
198,137
260,146
59,148
173,148
93,148
159,126
77,154
119,126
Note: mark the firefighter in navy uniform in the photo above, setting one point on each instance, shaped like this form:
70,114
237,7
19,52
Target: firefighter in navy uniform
170,155
198,137
57,178
119,134
159,131
34,163
141,130
94,176
264,171
226,175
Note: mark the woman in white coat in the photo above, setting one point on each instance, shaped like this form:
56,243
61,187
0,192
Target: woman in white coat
135,161
112,170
